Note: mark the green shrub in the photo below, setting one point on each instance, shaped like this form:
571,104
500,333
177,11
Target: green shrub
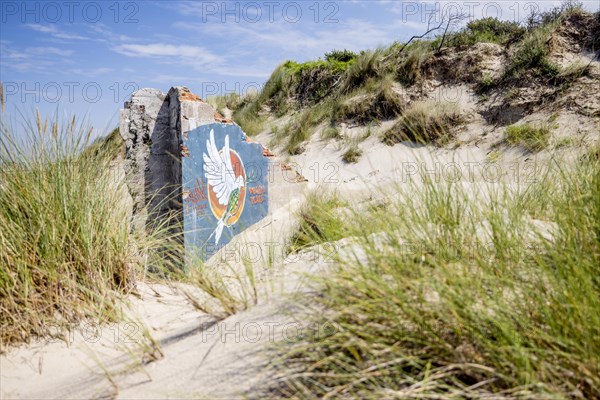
537,19
340,55
313,83
532,138
532,56
485,30
494,28
334,66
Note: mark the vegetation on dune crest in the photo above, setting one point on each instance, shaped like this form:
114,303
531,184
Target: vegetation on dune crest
366,87
532,55
485,30
456,295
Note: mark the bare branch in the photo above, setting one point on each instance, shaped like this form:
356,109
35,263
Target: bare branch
446,20
429,30
451,19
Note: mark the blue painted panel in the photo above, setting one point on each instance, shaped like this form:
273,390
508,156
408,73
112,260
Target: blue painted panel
222,196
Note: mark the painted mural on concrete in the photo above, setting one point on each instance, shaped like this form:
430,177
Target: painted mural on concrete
225,187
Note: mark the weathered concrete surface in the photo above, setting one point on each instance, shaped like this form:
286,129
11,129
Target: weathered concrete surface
137,126
152,124
157,129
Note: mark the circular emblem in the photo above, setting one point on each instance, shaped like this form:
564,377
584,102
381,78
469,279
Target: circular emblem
239,199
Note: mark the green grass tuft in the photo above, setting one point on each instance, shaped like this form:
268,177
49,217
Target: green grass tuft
318,222
296,132
352,154
331,132
425,122
376,101
531,137
248,117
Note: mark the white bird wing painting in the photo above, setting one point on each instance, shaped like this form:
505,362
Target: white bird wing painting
221,176
218,169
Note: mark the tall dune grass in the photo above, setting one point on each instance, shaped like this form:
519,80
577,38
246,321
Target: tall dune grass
64,232
461,292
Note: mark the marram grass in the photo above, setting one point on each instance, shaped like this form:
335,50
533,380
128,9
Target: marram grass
454,294
65,239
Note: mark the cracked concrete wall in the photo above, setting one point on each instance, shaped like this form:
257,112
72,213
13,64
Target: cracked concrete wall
152,124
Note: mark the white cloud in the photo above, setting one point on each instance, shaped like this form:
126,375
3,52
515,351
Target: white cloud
163,50
41,28
51,51
191,56
103,33
174,80
353,33
92,72
31,59
55,32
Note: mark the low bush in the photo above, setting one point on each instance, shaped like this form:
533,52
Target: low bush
311,82
485,30
340,55
537,18
531,56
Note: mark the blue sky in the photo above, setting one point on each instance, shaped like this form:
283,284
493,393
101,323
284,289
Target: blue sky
87,57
